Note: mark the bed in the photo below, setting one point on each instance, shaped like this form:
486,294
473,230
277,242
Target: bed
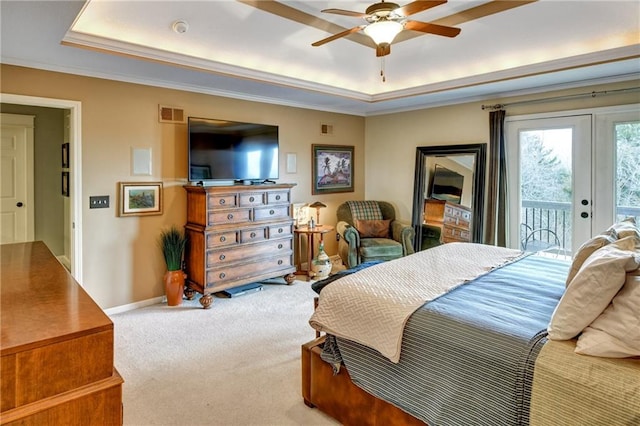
411,342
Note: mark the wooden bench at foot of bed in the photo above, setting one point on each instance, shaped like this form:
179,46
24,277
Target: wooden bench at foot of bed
339,398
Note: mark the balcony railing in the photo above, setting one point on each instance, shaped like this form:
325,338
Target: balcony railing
547,225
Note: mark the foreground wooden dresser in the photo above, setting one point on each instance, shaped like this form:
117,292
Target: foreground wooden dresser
56,345
454,220
237,235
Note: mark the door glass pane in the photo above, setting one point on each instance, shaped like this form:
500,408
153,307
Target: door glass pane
546,190
627,139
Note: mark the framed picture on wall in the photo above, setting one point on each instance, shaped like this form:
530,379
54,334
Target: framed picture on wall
332,169
140,198
65,155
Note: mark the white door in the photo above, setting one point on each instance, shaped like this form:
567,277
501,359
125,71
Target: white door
16,186
550,175
617,167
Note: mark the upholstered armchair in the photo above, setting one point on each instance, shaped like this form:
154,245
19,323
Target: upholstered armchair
368,230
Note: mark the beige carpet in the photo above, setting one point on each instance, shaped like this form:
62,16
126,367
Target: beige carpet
237,363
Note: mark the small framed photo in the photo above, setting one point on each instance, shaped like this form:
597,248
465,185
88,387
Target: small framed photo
332,169
65,155
300,214
140,198
65,184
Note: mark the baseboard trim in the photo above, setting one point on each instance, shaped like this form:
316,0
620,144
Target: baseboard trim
132,306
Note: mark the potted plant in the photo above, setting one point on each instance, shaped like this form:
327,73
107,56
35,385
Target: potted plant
173,243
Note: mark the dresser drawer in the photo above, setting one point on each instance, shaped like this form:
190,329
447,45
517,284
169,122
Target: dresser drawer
456,212
220,257
455,234
223,217
221,239
222,201
279,231
252,199
233,272
273,212
253,234
278,197
458,221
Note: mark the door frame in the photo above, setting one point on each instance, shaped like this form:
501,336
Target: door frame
75,169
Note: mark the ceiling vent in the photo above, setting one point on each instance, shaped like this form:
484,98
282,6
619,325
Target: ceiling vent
167,114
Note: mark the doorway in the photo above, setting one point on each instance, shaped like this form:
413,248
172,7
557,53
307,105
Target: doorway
571,176
74,217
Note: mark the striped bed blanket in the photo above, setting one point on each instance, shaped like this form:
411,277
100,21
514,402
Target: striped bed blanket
467,357
388,293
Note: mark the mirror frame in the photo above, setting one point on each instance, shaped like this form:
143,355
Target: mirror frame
422,152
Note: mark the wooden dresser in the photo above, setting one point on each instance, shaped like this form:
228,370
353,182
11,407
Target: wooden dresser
237,235
454,220
57,345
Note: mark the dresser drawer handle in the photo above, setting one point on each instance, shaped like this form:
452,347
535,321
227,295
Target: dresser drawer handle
280,230
280,246
253,235
223,239
271,212
222,275
230,216
222,257
252,199
222,201
280,262
278,197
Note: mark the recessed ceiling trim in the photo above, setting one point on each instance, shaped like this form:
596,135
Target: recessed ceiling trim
141,52
564,64
114,47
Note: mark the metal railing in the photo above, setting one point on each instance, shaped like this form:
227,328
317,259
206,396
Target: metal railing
549,224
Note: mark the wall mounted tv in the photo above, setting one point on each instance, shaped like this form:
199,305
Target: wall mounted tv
221,150
447,185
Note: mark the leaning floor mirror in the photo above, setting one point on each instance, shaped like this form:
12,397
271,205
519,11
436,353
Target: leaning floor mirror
448,196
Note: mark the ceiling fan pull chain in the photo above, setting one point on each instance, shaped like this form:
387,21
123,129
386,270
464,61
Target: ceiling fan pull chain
382,73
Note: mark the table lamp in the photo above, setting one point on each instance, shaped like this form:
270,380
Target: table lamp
317,205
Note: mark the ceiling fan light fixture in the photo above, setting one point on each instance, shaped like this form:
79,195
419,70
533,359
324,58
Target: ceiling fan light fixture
383,31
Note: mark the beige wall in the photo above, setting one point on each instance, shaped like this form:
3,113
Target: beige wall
392,139
121,261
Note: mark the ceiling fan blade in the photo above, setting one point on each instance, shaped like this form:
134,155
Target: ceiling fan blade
345,12
383,50
337,36
425,27
417,6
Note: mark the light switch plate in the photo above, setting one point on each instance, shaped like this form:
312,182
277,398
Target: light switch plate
99,202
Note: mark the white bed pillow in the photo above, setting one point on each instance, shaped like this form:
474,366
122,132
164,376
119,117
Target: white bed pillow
587,249
616,332
594,286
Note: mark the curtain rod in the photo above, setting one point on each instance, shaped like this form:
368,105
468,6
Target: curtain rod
561,98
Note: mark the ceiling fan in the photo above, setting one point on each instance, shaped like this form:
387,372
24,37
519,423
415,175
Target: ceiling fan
385,20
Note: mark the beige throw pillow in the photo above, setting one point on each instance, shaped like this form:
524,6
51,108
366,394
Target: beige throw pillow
590,292
373,228
625,228
587,249
616,333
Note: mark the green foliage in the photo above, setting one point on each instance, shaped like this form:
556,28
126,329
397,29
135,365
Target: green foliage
628,172
172,243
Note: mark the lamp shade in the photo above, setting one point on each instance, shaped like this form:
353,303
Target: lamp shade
317,205
383,32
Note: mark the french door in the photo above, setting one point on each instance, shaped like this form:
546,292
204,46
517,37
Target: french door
570,177
549,182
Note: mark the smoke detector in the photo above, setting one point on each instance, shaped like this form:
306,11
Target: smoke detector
180,27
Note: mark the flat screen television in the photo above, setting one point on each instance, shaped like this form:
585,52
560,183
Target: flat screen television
447,185
222,150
